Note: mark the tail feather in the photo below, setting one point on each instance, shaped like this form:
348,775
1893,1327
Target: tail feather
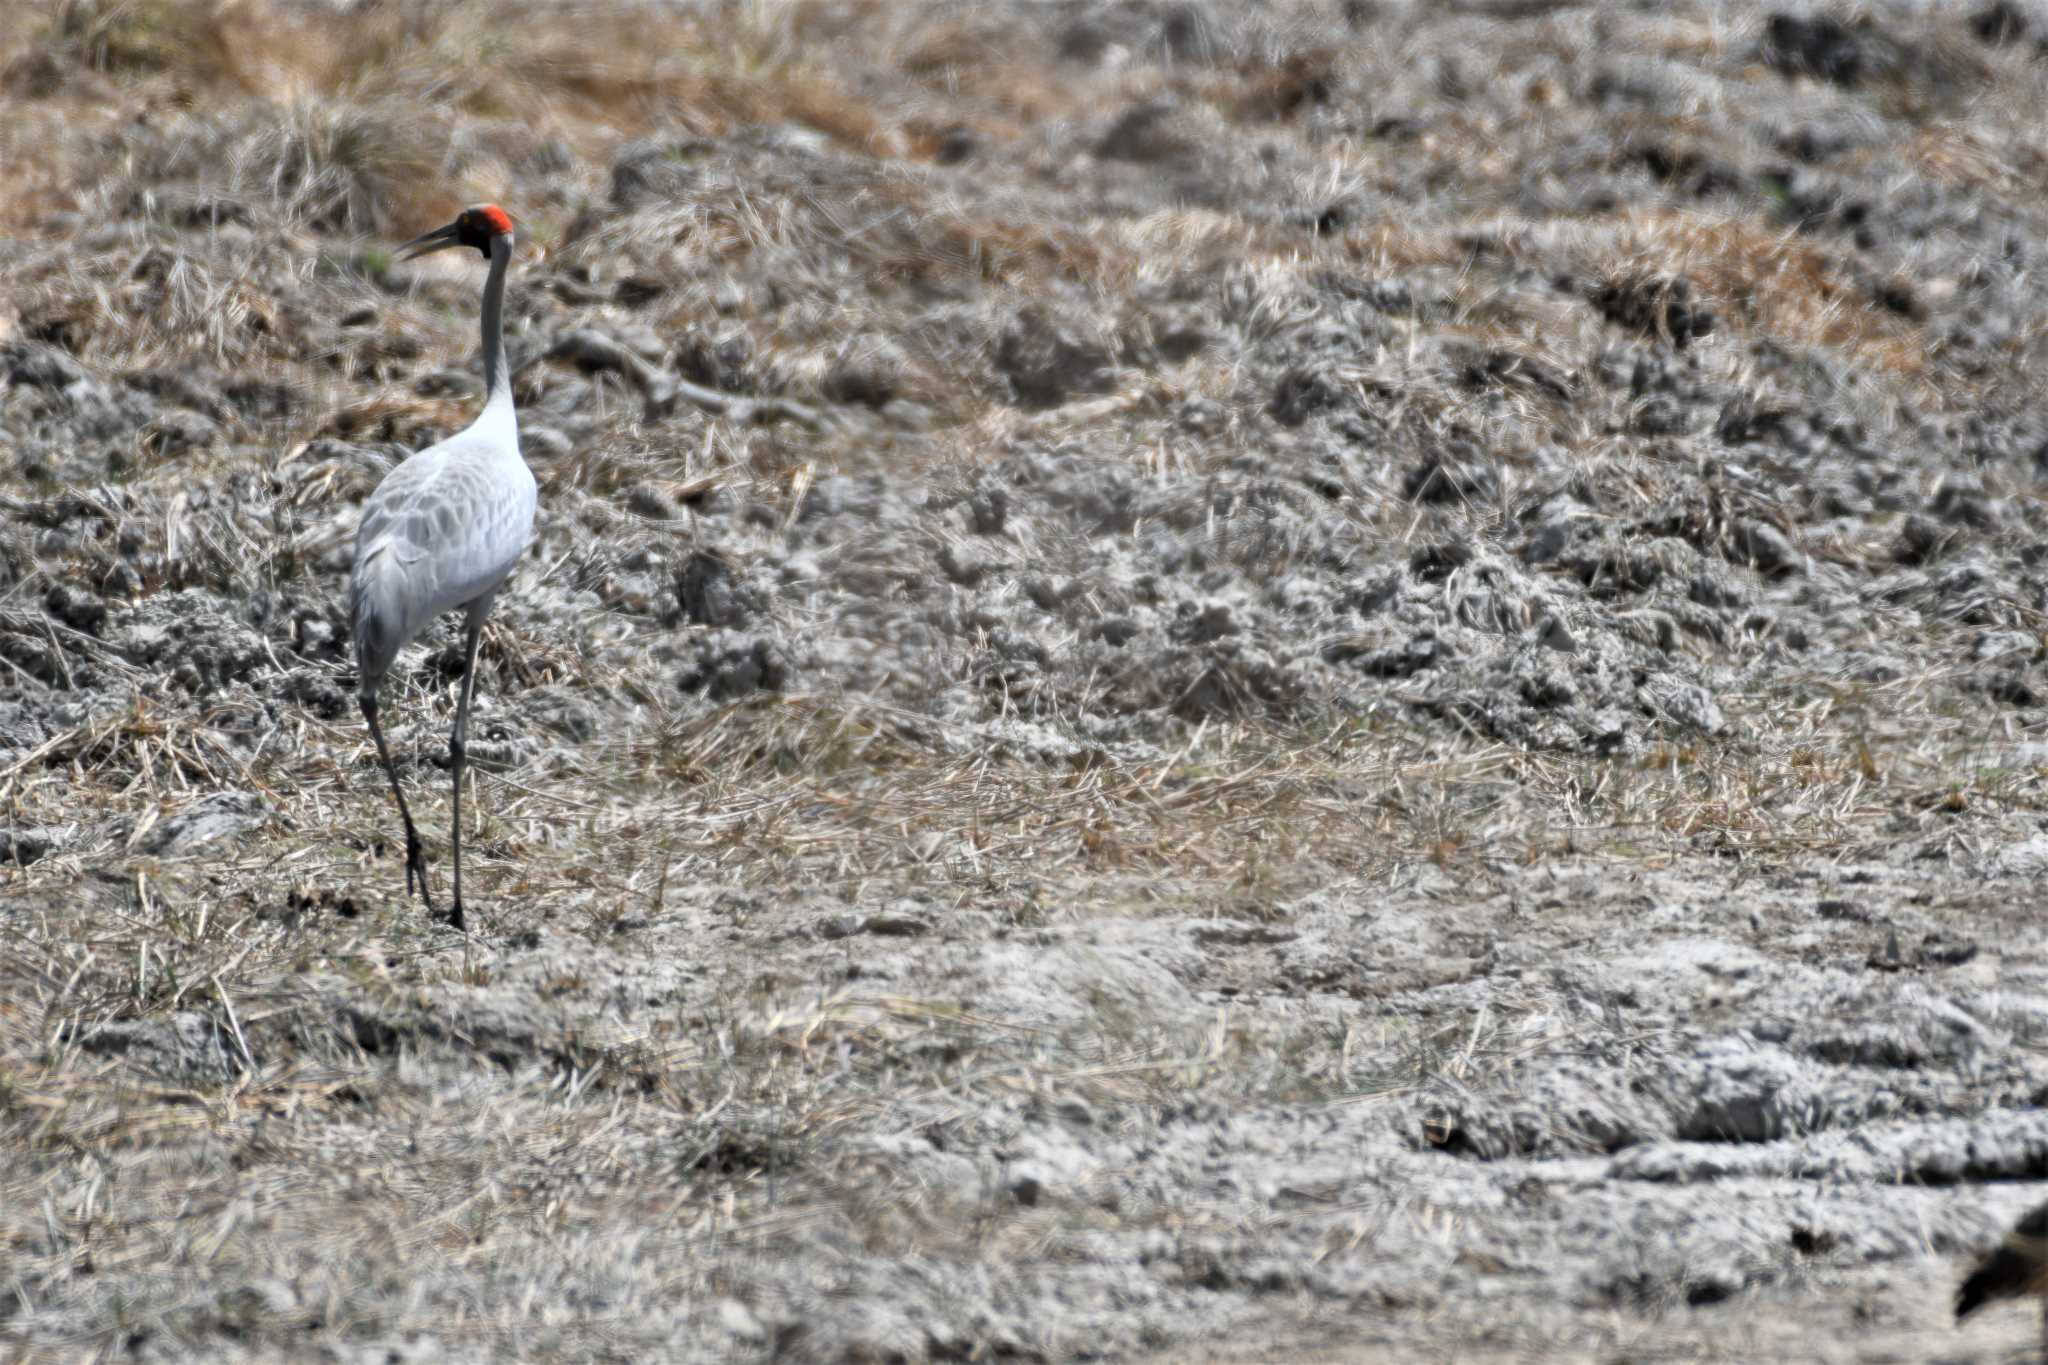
377,613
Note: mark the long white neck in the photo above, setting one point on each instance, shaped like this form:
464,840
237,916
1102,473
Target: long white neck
497,375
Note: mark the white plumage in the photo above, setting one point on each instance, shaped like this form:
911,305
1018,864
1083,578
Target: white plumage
444,530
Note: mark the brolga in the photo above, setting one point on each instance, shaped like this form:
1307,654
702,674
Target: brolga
444,530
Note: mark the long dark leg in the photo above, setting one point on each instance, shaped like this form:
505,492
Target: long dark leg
415,856
473,628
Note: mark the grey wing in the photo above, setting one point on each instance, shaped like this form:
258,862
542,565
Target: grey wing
442,530
385,525
452,529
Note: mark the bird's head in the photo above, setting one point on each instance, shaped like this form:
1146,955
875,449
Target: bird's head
476,226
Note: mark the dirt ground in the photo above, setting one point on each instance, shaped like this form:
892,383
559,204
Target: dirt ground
1329,682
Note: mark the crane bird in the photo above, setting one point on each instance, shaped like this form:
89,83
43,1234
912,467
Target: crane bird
444,530
2016,1268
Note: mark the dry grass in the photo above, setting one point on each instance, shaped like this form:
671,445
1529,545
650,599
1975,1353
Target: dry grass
248,1040
352,84
1775,283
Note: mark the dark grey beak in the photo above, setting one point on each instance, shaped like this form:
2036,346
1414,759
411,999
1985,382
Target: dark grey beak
440,239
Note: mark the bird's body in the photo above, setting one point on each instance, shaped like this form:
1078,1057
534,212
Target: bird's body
444,530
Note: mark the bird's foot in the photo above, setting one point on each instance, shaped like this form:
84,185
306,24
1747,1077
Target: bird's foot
455,913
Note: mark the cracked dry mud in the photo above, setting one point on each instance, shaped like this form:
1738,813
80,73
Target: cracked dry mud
1319,682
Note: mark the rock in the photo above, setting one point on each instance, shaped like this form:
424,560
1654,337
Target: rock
725,664
42,366
867,370
211,820
1047,364
22,846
